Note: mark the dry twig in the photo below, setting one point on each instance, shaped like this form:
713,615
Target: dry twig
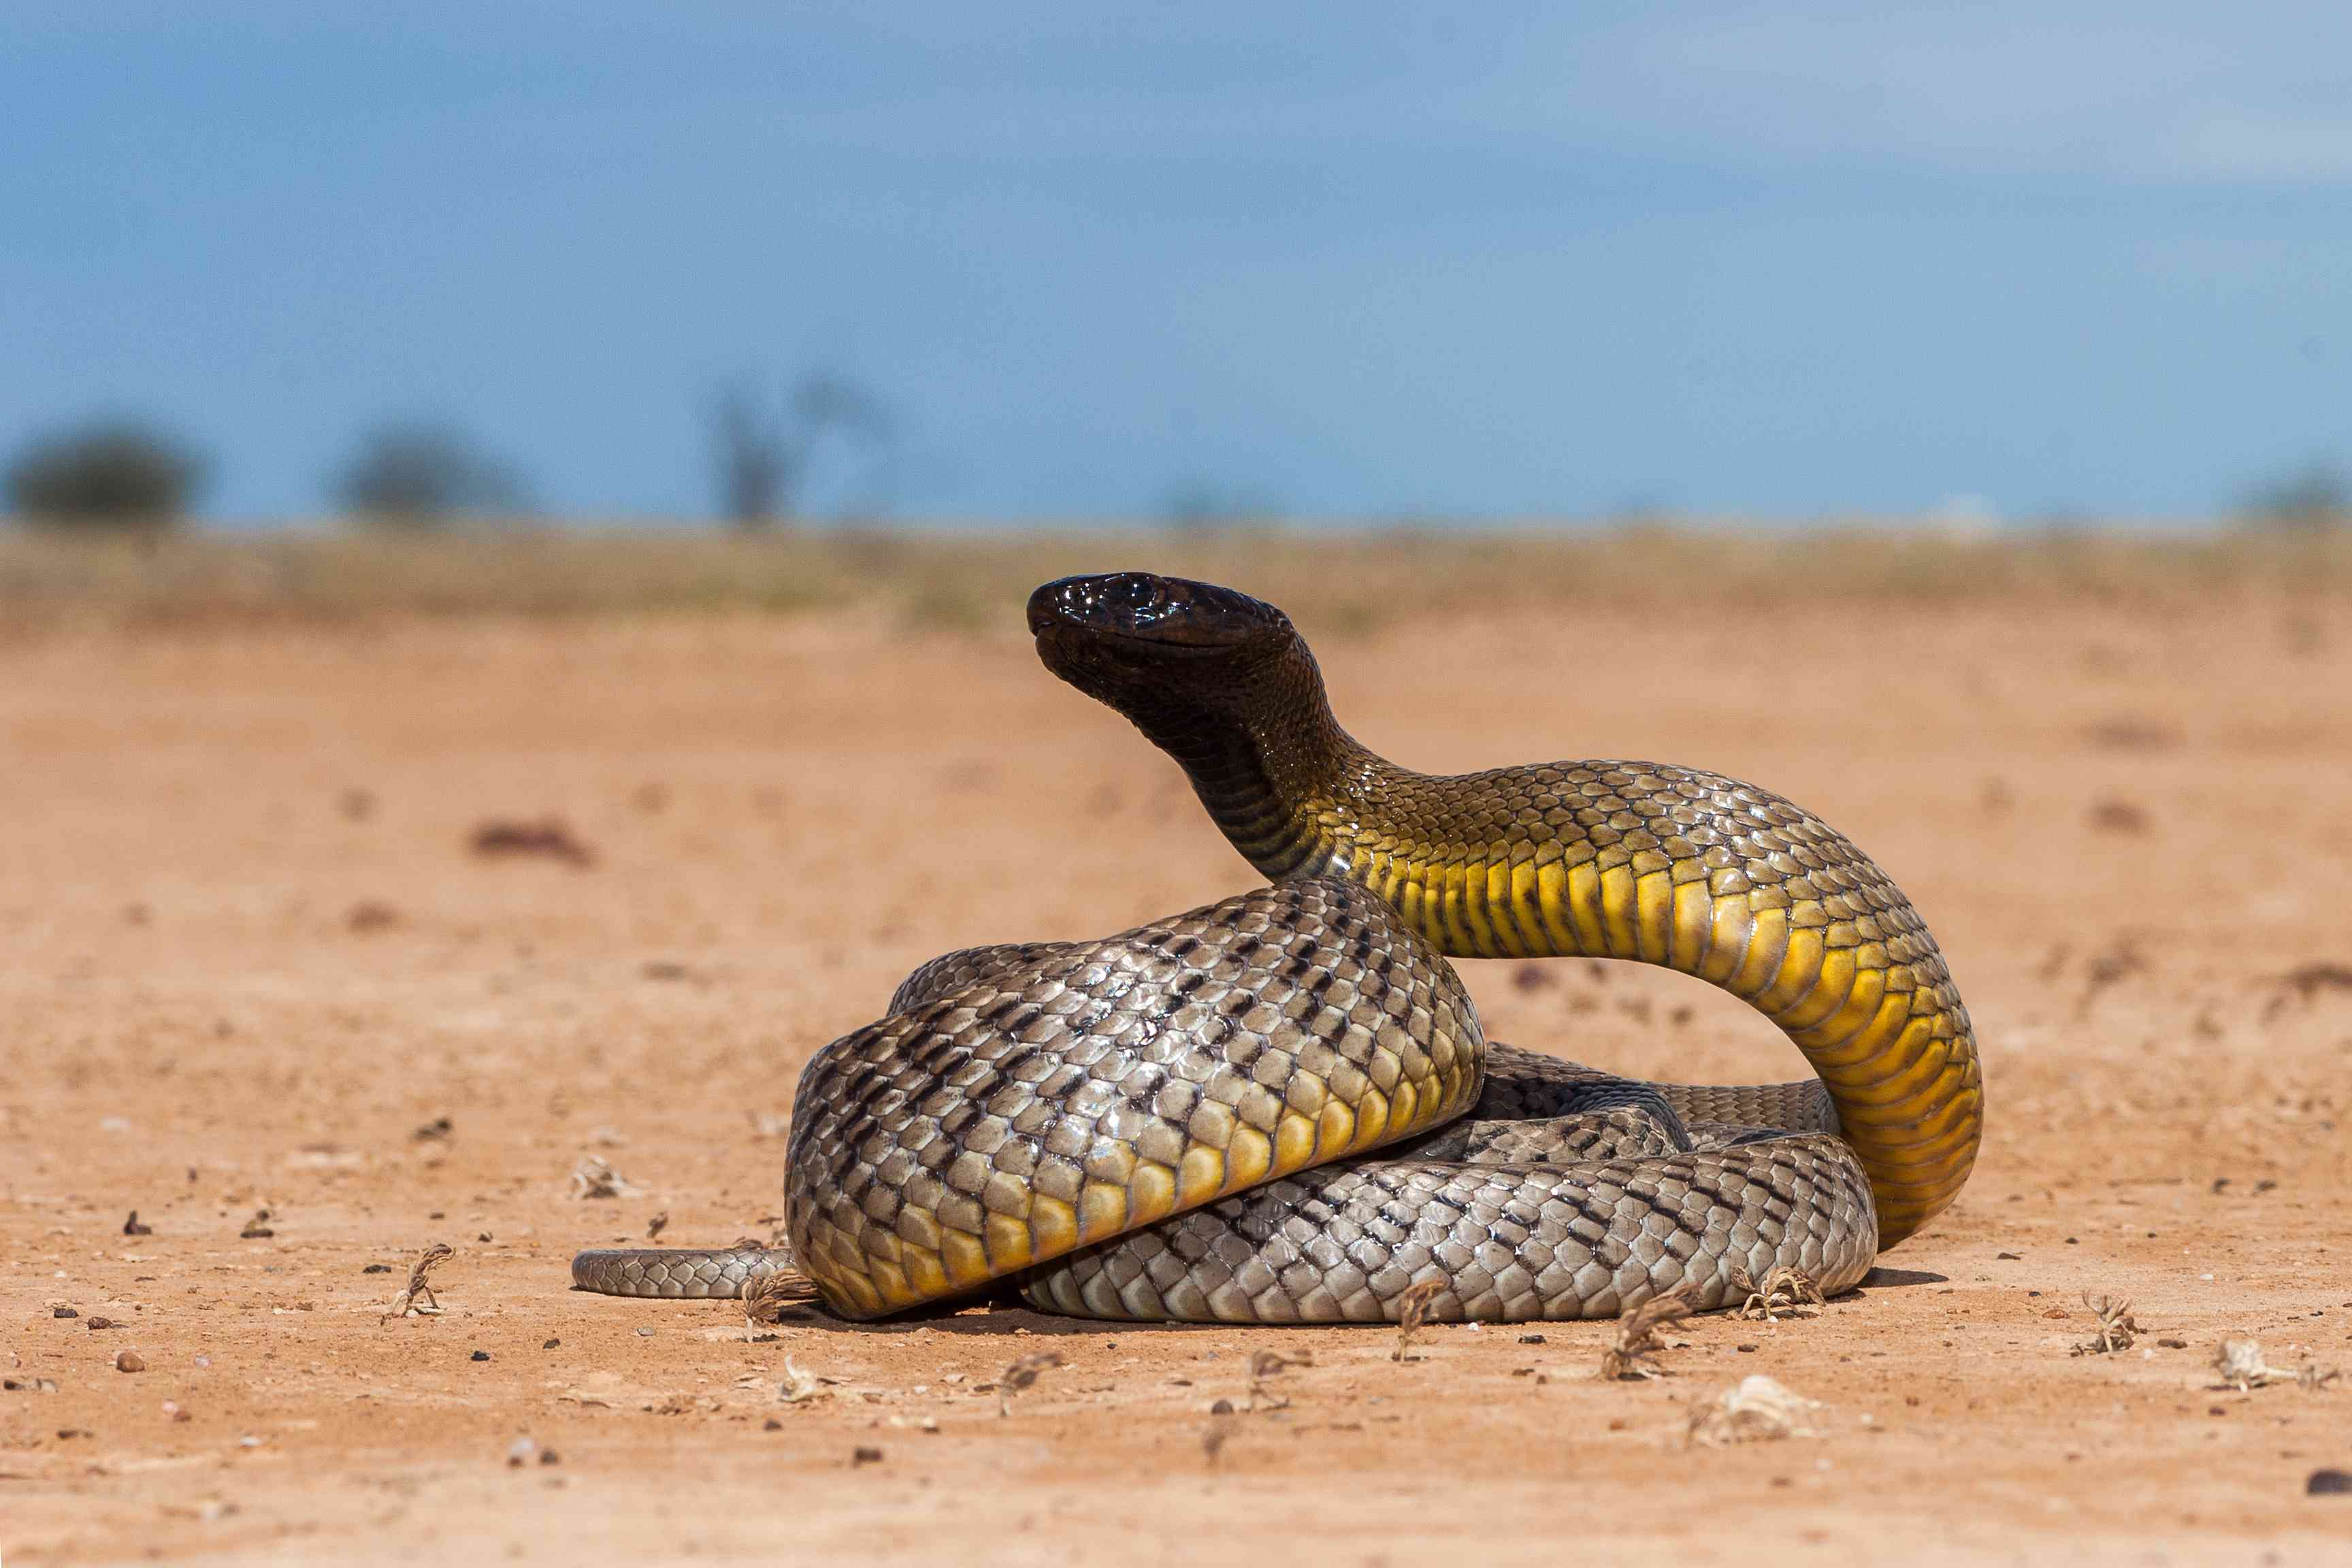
1264,1364
1413,1311
418,1296
1020,1374
1637,1347
593,1177
1783,1289
772,1293
798,1386
2239,1364
2118,1328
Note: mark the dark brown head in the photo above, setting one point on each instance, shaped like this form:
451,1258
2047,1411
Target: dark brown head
1221,682
1141,642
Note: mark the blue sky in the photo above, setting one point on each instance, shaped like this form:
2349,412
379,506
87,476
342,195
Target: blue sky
1361,261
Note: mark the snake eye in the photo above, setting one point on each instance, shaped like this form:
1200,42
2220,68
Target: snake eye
1132,593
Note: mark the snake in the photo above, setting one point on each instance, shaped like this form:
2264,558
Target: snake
1281,1107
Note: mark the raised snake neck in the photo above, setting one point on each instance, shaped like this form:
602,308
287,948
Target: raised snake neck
1608,860
1142,1126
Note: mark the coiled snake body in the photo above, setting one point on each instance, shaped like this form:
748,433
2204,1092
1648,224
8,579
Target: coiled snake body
1174,1122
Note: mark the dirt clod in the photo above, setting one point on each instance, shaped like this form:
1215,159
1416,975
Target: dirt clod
547,837
1757,1409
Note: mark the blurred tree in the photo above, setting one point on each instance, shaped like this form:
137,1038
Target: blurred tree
2315,497
761,453
419,475
110,473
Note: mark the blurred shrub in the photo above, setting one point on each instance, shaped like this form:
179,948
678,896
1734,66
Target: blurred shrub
2318,496
113,473
419,475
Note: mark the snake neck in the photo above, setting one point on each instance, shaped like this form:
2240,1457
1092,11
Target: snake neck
1632,861
1281,779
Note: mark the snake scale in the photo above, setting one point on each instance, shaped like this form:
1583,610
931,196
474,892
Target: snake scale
1279,1107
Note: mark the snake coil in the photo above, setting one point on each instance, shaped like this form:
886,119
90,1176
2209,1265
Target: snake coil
1280,1108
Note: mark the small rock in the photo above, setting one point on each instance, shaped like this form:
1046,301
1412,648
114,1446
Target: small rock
171,1408
1531,1339
130,1361
1222,1407
862,1454
96,1324
63,1313
131,1225
479,1355
2324,1483
377,1268
550,1344
520,1452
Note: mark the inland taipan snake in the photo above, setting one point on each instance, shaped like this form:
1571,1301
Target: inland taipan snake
1280,1108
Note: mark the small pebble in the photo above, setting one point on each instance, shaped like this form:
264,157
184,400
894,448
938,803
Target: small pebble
63,1313
1222,1407
96,1324
377,1268
130,1361
2324,1483
862,1454
479,1355
1531,1339
550,1344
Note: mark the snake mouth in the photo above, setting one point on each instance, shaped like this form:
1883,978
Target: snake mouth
1163,616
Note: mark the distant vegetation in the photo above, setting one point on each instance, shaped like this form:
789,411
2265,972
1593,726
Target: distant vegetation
419,475
108,474
1340,584
2317,497
763,449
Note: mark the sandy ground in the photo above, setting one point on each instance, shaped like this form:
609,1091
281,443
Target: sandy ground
250,964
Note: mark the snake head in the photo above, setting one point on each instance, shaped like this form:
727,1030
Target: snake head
1162,614
1122,634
